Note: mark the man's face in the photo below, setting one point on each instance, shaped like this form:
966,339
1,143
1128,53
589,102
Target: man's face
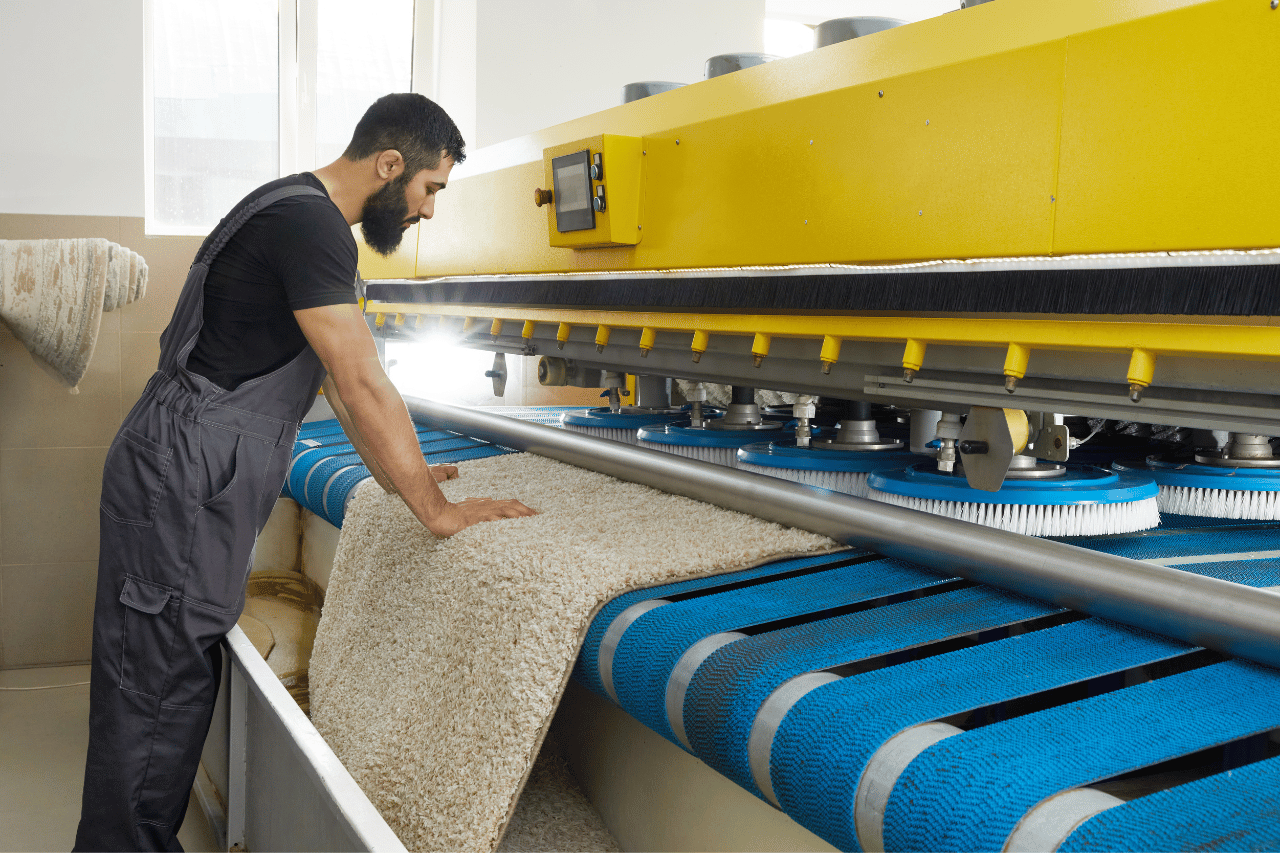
389,212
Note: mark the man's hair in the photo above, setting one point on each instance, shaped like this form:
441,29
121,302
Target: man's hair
413,125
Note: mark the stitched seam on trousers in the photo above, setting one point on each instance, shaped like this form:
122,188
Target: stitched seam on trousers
280,421
204,605
184,707
273,440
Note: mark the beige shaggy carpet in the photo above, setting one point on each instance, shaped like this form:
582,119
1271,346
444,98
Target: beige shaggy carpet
53,294
439,662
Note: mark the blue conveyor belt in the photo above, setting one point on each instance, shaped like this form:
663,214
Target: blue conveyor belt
649,650
1235,810
881,645
728,690
968,792
326,469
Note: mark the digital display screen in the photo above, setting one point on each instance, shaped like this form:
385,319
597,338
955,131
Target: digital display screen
572,192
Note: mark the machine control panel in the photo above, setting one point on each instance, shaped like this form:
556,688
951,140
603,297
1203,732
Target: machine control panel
586,209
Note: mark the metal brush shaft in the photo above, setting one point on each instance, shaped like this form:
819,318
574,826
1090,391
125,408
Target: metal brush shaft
1227,617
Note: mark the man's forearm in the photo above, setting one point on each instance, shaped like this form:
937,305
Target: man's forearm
357,440
382,422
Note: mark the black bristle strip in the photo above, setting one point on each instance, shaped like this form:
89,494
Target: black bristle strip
1242,291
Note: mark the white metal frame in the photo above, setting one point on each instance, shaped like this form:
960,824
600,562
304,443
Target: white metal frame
319,806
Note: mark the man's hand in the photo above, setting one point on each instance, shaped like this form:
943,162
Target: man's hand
461,515
444,472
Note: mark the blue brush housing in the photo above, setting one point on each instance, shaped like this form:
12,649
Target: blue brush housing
1081,484
1193,475
785,454
679,433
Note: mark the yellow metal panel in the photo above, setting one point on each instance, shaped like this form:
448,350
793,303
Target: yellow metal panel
401,264
1170,127
732,177
938,165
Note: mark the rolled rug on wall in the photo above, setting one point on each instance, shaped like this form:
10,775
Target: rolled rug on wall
53,294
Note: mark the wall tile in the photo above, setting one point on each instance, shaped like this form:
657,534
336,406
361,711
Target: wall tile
168,259
49,504
40,411
47,616
27,226
139,355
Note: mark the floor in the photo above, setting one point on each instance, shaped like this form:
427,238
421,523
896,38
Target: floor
43,738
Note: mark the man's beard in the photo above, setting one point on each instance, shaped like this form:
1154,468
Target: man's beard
384,215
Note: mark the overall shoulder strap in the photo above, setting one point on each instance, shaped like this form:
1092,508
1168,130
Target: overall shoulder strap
245,213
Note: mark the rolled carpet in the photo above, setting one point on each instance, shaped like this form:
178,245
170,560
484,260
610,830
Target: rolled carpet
439,662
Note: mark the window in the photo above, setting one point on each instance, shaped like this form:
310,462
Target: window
240,92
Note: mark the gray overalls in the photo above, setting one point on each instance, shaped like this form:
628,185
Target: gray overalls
189,482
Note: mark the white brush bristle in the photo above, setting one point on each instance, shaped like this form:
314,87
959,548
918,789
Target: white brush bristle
1220,503
850,482
626,436
1039,519
727,456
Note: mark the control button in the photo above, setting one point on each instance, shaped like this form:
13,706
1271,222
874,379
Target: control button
597,168
598,201
541,197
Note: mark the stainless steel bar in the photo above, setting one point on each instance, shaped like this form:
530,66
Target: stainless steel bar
1227,617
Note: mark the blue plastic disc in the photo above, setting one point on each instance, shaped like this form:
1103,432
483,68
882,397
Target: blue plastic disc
680,433
602,418
1081,484
785,454
1193,475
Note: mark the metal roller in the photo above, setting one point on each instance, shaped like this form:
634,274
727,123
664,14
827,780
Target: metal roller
1227,617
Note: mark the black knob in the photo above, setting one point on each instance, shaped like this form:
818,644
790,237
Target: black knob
972,447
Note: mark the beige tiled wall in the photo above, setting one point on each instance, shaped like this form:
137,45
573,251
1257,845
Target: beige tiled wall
53,444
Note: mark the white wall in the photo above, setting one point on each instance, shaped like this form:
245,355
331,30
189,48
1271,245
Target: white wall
72,107
543,63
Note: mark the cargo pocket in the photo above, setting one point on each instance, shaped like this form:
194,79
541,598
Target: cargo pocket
134,477
147,635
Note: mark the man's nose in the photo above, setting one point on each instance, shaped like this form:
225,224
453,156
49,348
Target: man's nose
428,208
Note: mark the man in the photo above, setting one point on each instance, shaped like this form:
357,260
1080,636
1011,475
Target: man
267,311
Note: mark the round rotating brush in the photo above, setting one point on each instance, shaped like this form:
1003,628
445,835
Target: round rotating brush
716,439
1081,500
838,470
710,445
618,426
839,458
1240,481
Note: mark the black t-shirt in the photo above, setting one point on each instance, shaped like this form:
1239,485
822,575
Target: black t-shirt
298,253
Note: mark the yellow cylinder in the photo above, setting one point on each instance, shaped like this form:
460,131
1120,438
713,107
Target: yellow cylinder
913,354
1015,361
1142,368
527,331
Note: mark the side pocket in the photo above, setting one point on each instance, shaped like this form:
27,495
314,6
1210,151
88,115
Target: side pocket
147,636
133,478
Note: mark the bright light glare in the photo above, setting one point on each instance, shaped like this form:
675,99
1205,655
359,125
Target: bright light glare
437,368
786,38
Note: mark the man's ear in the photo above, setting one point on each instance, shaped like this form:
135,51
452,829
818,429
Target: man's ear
389,164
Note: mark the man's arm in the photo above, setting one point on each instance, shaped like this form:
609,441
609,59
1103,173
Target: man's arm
440,472
341,339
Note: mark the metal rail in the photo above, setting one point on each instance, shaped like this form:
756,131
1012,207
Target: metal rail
1227,617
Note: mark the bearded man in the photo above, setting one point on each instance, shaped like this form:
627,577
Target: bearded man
268,311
